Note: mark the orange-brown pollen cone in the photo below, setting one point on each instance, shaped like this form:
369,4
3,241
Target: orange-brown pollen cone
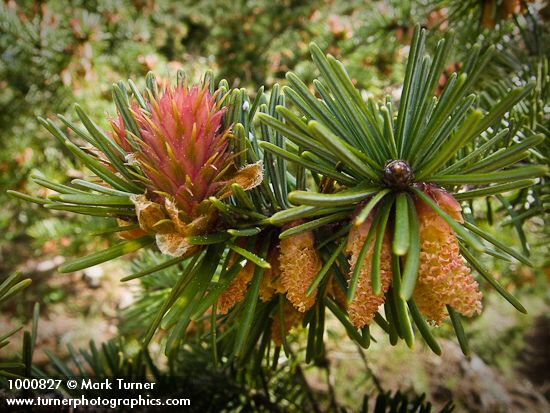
271,281
300,264
236,290
365,303
443,278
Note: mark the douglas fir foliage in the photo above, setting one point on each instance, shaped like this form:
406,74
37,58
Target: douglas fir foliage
274,209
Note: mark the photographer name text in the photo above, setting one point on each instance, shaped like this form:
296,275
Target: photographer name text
116,384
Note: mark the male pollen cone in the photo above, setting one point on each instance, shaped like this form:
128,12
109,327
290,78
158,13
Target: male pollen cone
294,265
443,277
365,303
299,263
271,281
236,290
